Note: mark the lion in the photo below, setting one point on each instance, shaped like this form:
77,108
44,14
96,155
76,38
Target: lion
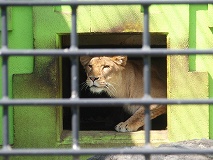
120,78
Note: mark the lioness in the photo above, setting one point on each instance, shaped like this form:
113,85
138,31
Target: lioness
124,79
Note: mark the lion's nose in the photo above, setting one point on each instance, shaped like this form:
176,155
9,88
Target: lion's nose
94,78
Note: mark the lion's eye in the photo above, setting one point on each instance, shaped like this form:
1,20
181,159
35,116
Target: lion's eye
106,66
90,66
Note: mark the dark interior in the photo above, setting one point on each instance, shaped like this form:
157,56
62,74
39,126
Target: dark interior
105,118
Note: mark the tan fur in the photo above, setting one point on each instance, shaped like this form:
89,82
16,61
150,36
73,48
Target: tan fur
124,79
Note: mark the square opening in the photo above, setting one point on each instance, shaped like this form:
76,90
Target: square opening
105,118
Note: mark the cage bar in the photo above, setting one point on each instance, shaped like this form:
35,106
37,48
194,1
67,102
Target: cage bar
146,74
132,52
5,90
102,151
74,81
104,2
102,102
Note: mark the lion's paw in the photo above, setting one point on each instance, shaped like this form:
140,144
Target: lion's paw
124,127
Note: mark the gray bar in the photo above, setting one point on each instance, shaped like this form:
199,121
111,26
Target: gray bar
147,94
102,102
104,2
5,86
61,152
147,76
146,35
74,36
132,52
75,95
4,28
74,81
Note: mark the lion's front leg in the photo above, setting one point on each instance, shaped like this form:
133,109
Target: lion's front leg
137,119
133,123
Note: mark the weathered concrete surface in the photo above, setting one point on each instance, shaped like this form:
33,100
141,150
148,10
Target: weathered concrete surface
192,144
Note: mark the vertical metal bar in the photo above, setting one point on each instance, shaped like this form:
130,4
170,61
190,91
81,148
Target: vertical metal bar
147,77
4,27
5,58
74,36
75,95
74,81
146,35
5,92
147,88
5,131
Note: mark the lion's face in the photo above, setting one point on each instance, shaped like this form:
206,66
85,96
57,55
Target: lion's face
101,72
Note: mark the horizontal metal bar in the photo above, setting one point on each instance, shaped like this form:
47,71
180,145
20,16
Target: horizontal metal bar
102,101
102,2
104,51
100,151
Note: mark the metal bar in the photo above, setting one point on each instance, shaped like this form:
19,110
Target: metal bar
110,52
146,34
4,74
74,81
102,151
75,95
104,2
102,102
5,92
75,108
74,36
146,74
4,27
4,58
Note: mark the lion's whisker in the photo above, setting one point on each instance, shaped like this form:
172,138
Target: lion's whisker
113,83
111,94
111,89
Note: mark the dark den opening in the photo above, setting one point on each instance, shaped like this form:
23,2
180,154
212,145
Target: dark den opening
104,118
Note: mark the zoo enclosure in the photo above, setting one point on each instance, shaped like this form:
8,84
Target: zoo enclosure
74,52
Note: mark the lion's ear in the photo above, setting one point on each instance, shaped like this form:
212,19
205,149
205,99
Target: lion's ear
120,60
85,60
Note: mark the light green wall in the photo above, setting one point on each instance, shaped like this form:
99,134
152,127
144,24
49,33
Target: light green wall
186,121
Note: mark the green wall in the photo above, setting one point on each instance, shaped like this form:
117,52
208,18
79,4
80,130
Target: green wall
20,36
184,121
201,36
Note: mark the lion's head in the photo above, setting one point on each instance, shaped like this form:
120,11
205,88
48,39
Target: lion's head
101,72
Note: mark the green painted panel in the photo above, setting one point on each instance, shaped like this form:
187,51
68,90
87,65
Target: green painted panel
183,121
200,37
192,31
36,125
19,37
